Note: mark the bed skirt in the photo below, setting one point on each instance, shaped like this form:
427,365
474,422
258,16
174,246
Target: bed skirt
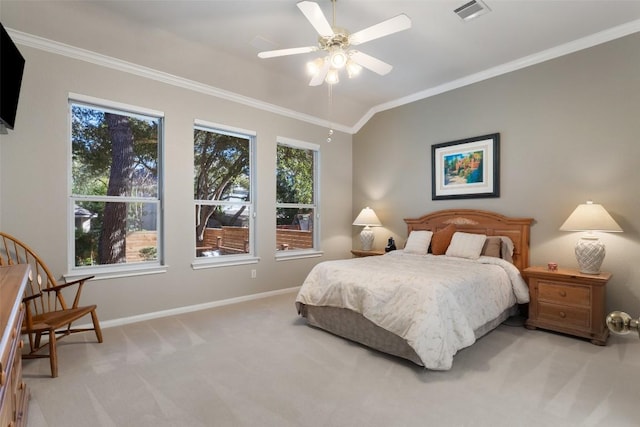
355,327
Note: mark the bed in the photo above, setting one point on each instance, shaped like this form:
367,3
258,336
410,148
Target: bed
434,297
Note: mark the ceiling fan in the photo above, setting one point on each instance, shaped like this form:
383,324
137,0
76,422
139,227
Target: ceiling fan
337,43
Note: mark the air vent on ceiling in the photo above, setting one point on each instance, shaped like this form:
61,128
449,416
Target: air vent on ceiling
471,10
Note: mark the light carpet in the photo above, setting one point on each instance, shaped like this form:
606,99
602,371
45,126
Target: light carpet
257,363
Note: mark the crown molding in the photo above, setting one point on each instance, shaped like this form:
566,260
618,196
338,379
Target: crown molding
69,51
536,58
150,73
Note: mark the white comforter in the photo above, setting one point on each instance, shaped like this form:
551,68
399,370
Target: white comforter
434,302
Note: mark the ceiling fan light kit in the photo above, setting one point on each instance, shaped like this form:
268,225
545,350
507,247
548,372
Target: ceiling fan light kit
314,67
337,42
338,58
353,69
332,76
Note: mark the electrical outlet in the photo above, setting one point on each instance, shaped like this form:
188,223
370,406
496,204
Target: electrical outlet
253,273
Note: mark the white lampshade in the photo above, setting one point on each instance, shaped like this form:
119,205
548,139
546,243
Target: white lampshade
367,218
332,77
590,251
314,67
338,58
353,69
590,217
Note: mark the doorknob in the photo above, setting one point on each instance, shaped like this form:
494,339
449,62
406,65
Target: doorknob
621,323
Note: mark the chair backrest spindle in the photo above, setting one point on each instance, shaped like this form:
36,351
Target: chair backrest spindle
12,252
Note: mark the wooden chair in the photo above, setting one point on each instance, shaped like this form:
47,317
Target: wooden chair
47,313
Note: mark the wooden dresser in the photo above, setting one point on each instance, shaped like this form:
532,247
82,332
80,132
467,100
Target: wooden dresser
568,301
14,396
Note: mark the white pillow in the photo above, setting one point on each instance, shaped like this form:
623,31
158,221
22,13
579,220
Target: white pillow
418,242
466,245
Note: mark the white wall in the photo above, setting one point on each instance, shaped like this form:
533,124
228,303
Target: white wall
570,131
34,185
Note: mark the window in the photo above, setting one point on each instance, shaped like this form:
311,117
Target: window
115,186
223,193
296,196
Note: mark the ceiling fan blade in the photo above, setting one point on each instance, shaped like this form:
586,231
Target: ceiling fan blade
373,64
320,75
314,15
393,25
284,52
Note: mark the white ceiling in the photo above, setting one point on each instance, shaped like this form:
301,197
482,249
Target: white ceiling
216,43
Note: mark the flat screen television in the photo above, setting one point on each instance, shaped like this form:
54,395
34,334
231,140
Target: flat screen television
11,69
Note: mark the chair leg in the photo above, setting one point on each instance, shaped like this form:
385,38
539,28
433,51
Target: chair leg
37,340
53,353
31,342
96,325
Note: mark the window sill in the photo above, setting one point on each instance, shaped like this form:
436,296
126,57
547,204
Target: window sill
109,272
223,261
293,254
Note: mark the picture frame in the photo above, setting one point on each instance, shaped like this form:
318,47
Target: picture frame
466,168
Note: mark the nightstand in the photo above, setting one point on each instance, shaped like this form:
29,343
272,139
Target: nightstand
360,253
568,301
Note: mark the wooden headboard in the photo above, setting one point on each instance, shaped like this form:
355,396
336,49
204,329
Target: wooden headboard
480,222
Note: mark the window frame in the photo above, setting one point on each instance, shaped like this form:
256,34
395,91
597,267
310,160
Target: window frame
126,269
316,250
235,259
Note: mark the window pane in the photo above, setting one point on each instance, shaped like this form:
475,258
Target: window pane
114,154
294,182
294,228
221,164
115,232
222,183
226,231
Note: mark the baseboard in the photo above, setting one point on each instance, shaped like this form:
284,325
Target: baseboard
187,309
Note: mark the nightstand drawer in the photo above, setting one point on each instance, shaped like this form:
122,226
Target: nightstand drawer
563,294
568,301
565,315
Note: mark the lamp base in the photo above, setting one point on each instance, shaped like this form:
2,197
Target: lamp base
590,253
366,238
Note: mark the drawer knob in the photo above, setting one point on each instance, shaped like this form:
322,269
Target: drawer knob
563,314
563,293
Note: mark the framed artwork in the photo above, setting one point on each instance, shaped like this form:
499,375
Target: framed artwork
467,168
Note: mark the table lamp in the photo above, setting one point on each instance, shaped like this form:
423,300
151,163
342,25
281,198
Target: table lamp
368,219
589,249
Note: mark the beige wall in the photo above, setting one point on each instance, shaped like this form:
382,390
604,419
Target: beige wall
570,131
33,192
